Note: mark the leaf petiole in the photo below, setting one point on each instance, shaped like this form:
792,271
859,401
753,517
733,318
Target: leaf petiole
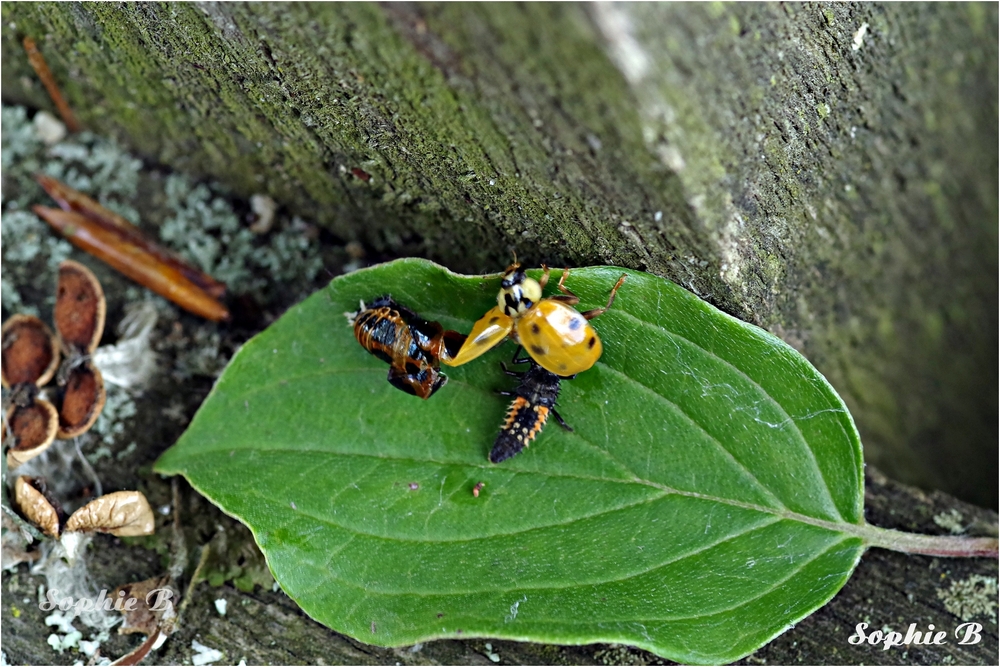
948,546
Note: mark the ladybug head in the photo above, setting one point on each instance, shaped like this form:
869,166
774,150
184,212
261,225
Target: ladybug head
518,292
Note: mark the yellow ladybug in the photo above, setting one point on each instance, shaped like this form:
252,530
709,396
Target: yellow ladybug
556,336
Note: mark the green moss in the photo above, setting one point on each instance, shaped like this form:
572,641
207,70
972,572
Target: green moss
480,139
979,18
734,24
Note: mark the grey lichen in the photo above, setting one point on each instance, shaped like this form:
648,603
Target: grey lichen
952,520
275,267
971,597
205,228
617,654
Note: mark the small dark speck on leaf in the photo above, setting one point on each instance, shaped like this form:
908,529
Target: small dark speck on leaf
440,615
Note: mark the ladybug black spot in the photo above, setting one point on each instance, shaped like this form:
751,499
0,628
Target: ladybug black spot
592,342
535,329
539,350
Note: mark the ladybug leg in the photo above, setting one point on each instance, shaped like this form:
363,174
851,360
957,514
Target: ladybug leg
516,360
509,372
566,297
544,280
560,420
591,314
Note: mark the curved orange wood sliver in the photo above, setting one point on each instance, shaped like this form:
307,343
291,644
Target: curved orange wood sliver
134,261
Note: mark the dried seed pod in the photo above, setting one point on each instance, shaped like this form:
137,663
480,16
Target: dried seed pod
82,400
30,352
80,309
36,505
122,513
32,427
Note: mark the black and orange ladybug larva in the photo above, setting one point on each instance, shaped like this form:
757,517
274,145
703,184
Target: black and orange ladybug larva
534,400
412,346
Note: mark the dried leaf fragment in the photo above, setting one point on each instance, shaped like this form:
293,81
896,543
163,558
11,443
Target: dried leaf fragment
31,429
74,201
14,541
83,400
122,513
153,614
153,609
134,261
35,505
80,308
30,352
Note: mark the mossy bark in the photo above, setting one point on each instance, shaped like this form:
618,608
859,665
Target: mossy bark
827,172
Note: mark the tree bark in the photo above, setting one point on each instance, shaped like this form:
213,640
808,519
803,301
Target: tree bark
827,172
650,136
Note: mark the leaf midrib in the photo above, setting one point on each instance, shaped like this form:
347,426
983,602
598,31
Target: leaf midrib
576,582
854,530
258,388
828,500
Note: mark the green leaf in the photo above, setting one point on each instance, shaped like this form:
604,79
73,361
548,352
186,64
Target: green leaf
709,497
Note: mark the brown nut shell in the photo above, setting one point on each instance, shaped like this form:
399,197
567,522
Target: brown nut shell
33,428
80,308
82,401
29,494
122,513
30,351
